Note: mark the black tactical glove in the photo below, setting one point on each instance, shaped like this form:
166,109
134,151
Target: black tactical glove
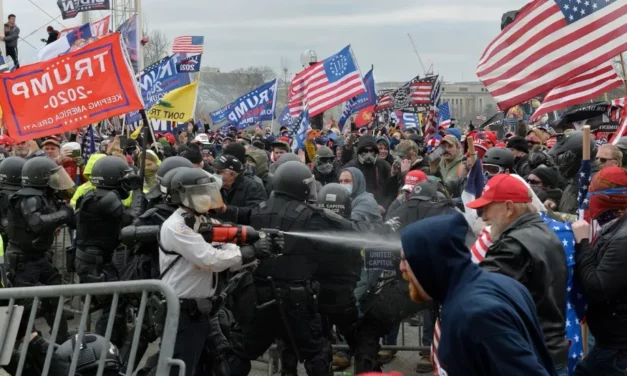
71,220
278,243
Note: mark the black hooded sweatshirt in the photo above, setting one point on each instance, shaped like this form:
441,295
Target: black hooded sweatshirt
378,181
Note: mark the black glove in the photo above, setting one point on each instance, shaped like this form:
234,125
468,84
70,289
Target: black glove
70,221
262,249
278,243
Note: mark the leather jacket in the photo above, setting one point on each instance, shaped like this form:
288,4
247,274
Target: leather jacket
530,252
600,270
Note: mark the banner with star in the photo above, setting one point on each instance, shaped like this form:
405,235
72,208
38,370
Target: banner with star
255,106
68,92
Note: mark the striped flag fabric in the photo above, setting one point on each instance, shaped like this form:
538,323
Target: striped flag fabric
188,44
444,114
421,93
580,89
550,42
326,84
585,176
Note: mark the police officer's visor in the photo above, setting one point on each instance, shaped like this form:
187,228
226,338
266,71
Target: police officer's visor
202,197
60,180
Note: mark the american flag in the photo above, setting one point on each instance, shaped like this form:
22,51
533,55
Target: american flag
431,125
421,93
585,176
326,84
188,44
622,129
550,42
580,89
444,114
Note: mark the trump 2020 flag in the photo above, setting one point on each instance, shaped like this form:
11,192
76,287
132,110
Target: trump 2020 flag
256,106
361,101
285,119
188,63
326,84
219,116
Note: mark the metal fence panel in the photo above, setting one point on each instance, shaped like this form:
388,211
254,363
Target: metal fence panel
37,293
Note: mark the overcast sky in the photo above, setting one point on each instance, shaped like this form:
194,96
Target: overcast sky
450,34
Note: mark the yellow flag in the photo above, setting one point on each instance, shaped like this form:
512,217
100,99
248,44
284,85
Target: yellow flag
137,132
177,105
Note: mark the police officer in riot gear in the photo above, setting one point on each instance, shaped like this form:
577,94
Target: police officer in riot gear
88,357
287,293
191,265
10,182
34,215
100,217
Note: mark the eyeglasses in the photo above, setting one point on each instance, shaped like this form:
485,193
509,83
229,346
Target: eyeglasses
534,182
605,160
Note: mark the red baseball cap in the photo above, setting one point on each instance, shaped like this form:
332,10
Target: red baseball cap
412,178
501,188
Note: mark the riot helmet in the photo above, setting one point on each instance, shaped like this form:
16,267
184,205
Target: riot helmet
114,173
43,172
165,184
196,189
323,162
166,166
88,357
497,161
295,180
335,198
568,153
11,173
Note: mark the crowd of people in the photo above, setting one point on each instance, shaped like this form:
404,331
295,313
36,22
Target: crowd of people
494,279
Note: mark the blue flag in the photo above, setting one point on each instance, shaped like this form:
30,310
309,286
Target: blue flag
189,63
407,120
585,176
256,106
220,115
301,133
285,119
88,146
157,80
361,101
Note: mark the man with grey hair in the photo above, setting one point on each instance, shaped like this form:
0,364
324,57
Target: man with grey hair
526,249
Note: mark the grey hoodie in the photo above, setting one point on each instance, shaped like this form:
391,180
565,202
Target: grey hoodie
365,208
11,37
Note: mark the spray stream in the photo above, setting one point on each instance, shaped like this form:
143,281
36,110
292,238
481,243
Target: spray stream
352,239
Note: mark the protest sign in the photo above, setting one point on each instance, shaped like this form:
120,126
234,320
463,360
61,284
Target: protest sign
177,105
256,106
69,92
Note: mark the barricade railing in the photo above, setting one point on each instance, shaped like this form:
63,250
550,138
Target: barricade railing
168,337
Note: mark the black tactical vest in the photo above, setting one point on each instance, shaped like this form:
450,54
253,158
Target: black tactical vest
299,261
20,234
94,228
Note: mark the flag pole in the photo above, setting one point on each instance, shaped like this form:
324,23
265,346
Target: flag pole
622,66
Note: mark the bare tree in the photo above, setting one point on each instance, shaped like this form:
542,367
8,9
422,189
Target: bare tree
156,48
219,89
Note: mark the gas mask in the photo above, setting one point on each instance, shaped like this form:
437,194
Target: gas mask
368,157
325,169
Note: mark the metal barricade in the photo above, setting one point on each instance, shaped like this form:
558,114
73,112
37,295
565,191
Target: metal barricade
168,337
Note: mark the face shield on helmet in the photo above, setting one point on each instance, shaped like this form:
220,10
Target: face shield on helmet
313,189
131,181
203,197
60,180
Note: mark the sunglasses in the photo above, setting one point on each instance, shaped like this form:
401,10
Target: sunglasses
605,160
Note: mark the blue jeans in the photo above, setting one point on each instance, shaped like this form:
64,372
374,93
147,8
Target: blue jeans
606,362
428,320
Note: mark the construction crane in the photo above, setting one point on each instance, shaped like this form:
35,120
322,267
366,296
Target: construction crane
427,72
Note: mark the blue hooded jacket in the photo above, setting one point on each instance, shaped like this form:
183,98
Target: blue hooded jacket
489,323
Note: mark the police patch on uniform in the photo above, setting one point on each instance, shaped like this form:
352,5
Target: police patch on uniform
182,228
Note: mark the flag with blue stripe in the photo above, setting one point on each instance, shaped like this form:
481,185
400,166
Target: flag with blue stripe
360,101
473,189
301,133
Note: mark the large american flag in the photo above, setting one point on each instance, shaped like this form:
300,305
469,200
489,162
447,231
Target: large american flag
188,44
580,89
550,42
326,84
444,115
